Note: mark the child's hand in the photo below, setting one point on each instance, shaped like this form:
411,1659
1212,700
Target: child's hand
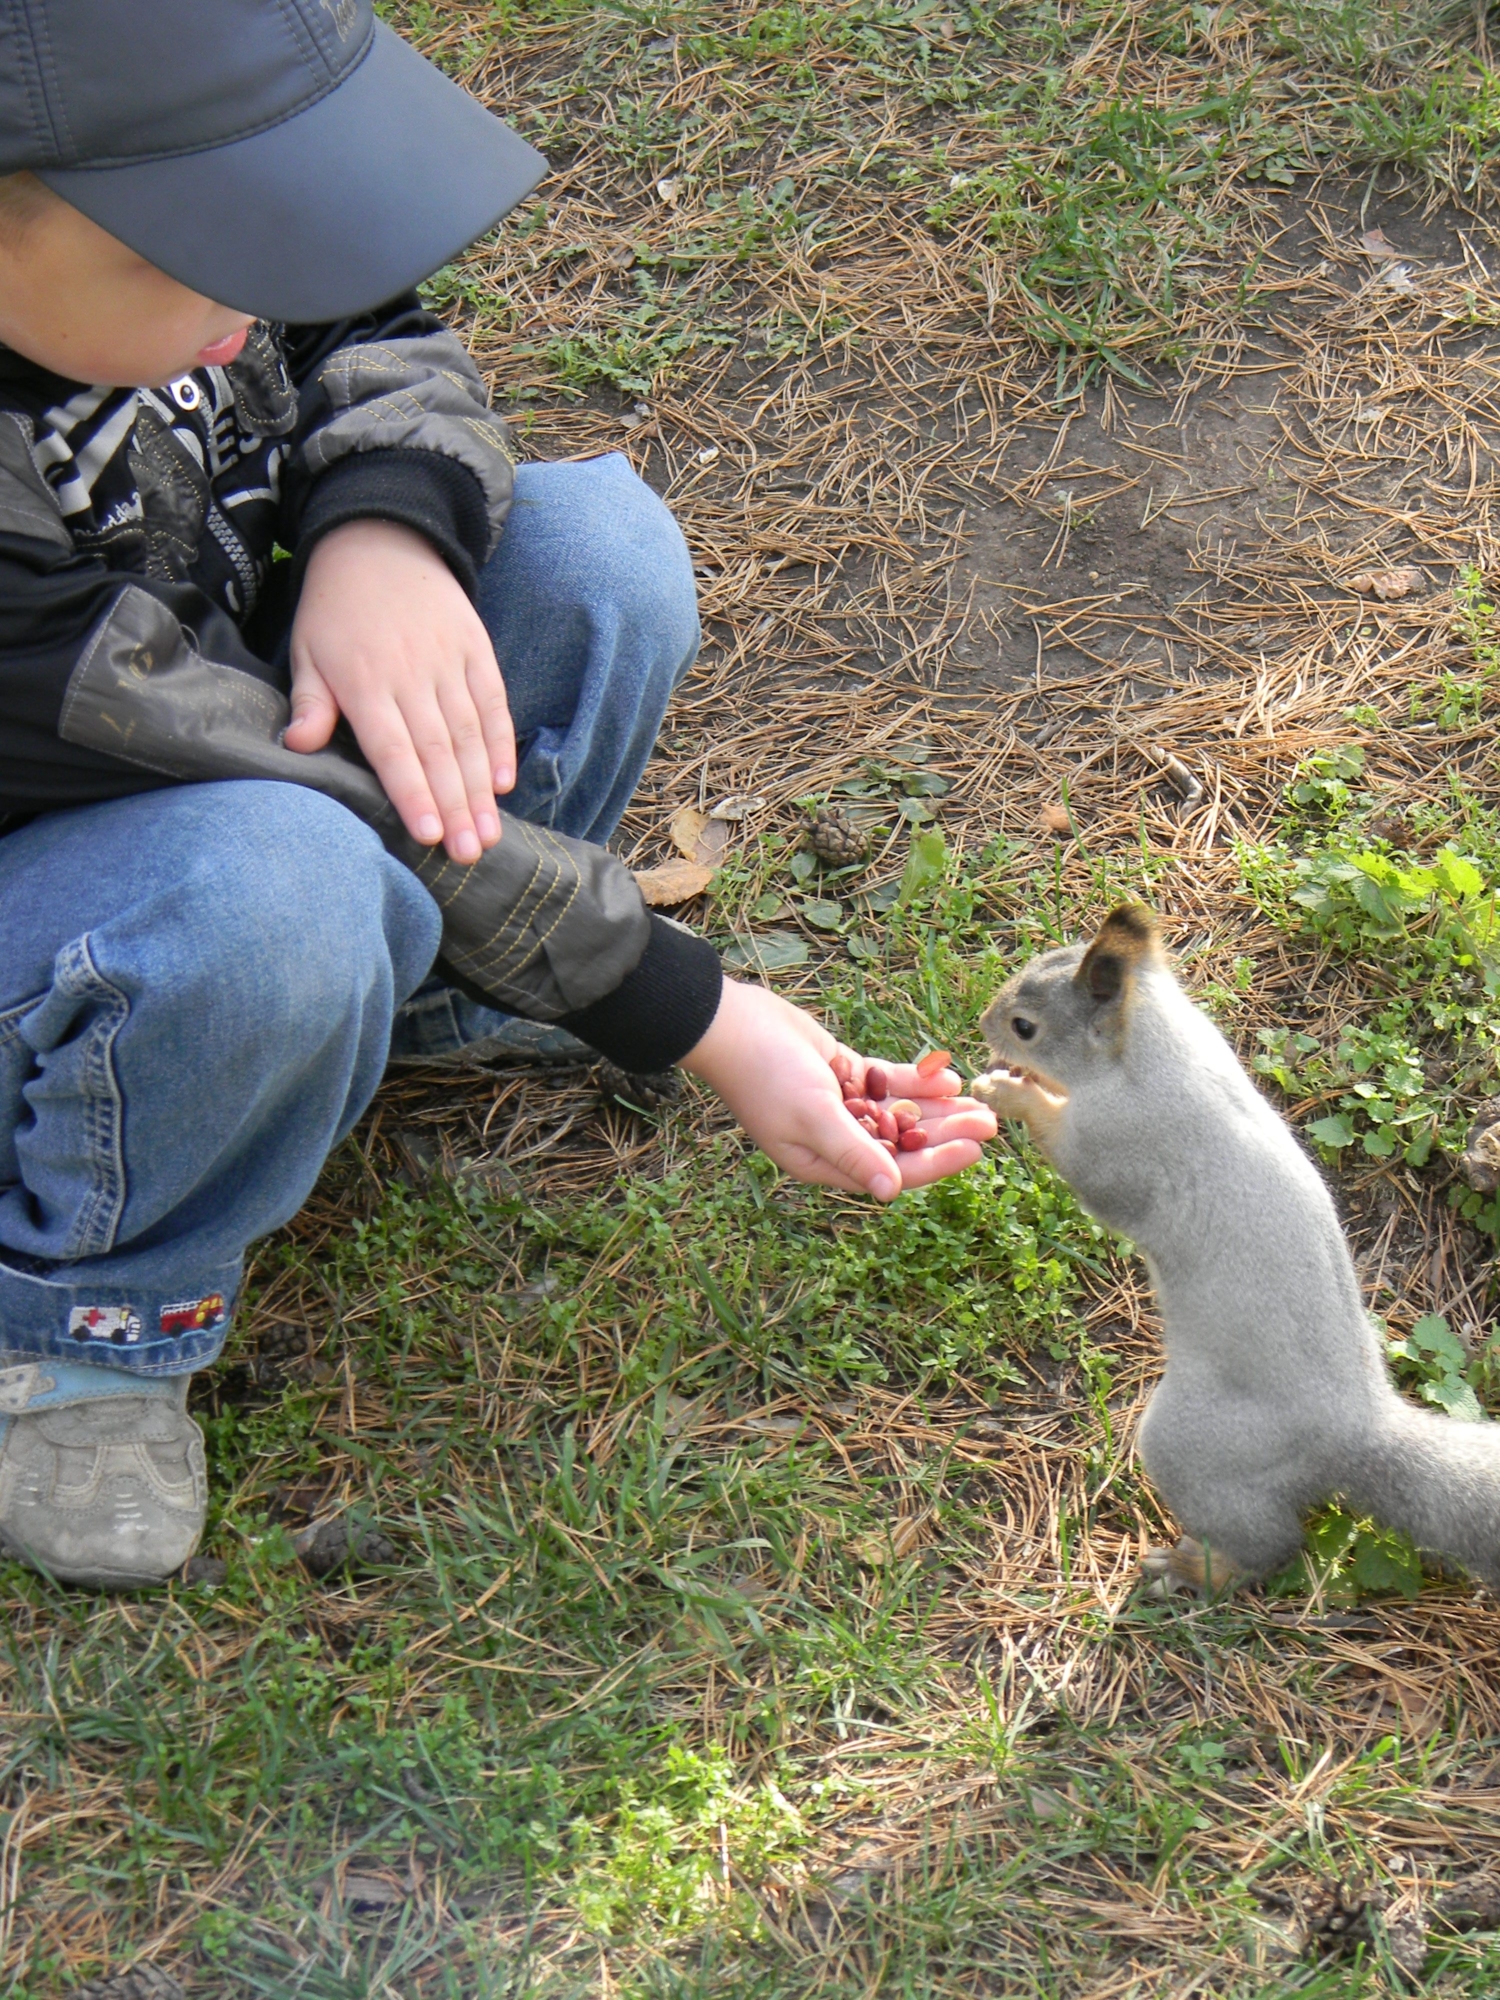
385,636
776,1070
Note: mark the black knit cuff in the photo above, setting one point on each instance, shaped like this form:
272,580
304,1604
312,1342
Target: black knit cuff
424,490
662,1009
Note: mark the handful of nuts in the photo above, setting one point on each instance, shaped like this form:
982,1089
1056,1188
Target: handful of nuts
895,1123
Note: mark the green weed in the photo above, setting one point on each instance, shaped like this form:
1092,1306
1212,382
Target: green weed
1404,1073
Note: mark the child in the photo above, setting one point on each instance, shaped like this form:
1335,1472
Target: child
245,804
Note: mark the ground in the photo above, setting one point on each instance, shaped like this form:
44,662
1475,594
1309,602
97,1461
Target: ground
758,1607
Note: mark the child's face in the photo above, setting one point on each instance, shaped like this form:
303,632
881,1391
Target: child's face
75,300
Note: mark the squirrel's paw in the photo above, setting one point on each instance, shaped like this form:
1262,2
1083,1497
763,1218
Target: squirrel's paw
1016,1093
1188,1567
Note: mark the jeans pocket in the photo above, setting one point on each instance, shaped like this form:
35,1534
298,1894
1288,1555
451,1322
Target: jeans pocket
64,1115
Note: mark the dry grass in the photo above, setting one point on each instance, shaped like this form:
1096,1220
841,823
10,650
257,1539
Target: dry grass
912,528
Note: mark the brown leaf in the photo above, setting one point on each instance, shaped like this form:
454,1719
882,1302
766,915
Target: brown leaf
1406,581
698,836
1375,243
674,882
1055,819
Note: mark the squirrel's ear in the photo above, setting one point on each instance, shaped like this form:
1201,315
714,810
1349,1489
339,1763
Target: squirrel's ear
1127,940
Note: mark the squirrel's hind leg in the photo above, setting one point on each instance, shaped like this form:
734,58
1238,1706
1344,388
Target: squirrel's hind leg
1228,1477
1191,1566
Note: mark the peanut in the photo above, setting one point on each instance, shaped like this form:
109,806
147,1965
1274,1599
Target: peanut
905,1113
885,1124
877,1083
859,1107
913,1140
932,1062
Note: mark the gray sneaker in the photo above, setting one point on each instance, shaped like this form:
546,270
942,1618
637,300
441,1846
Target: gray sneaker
107,1490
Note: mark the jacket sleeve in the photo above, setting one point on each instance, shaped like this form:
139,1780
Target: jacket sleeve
52,603
394,423
542,925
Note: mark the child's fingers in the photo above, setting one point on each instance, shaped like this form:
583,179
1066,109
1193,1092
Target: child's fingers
471,754
432,741
314,710
933,1162
487,688
957,1118
864,1166
903,1081
429,812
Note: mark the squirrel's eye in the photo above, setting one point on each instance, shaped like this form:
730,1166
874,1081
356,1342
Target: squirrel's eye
1024,1029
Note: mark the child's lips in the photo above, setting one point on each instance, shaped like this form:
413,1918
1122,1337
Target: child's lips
219,353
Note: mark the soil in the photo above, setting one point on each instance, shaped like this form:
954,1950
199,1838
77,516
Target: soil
1134,507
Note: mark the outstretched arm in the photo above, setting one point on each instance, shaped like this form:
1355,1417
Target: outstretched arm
778,1071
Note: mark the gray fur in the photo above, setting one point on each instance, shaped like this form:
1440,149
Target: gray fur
1276,1394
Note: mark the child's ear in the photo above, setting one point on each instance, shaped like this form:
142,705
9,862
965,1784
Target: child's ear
1127,941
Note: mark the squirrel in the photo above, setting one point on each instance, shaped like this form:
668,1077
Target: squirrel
1276,1395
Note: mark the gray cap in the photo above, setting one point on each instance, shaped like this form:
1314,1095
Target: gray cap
291,158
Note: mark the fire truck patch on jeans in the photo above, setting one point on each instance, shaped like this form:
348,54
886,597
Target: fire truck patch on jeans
195,1315
119,1325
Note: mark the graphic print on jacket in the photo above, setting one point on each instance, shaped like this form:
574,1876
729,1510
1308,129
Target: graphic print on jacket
184,491
182,483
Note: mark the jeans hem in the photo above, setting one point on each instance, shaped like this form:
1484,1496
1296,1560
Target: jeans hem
138,1329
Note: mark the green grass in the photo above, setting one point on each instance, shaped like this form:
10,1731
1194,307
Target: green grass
1407,896
654,1599
728,1651
1089,174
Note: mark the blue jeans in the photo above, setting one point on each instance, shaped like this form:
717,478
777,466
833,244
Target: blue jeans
198,985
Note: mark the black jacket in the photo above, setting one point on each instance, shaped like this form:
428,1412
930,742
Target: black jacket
151,544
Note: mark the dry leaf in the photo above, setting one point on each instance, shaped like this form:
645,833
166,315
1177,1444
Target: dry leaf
1397,278
667,191
674,882
1055,819
738,805
1385,584
698,836
1375,243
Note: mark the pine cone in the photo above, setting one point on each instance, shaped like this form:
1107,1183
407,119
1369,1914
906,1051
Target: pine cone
146,1982
1473,1905
1336,1916
652,1092
835,838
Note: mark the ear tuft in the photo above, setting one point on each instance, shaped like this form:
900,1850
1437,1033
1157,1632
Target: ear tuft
1127,940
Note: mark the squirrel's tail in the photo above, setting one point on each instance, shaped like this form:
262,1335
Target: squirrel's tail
1437,1479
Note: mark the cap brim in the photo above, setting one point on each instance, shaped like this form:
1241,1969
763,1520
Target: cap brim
336,209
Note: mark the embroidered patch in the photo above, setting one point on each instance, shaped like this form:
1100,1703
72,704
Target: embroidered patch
119,1324
195,1315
